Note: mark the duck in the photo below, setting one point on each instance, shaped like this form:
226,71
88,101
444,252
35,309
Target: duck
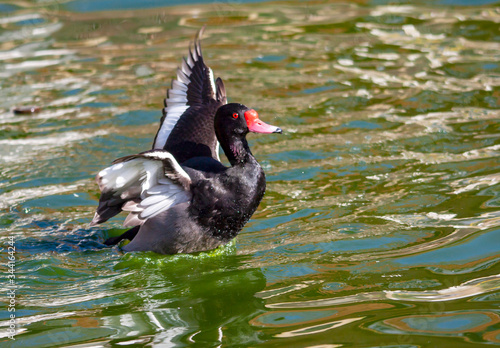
179,196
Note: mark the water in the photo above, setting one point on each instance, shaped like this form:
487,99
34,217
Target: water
381,223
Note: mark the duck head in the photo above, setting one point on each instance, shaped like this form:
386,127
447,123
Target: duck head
232,124
238,119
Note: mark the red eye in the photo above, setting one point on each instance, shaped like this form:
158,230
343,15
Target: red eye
235,115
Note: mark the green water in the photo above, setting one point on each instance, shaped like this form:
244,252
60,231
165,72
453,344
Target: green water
381,223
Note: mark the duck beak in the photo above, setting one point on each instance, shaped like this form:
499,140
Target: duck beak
256,125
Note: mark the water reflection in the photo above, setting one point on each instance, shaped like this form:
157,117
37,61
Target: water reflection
474,324
468,289
313,321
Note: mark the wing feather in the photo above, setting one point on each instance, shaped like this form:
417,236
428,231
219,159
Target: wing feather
144,185
186,128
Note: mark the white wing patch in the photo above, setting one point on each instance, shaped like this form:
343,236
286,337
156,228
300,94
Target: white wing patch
143,183
212,81
214,88
114,178
176,102
165,155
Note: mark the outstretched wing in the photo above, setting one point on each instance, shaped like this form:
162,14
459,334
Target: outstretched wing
144,185
187,126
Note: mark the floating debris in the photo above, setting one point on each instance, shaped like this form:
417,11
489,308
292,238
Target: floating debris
25,110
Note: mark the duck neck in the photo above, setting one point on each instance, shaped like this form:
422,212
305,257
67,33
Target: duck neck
237,151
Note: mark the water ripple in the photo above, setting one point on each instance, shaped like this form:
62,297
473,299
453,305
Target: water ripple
380,221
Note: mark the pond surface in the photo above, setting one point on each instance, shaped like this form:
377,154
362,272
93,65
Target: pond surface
381,223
